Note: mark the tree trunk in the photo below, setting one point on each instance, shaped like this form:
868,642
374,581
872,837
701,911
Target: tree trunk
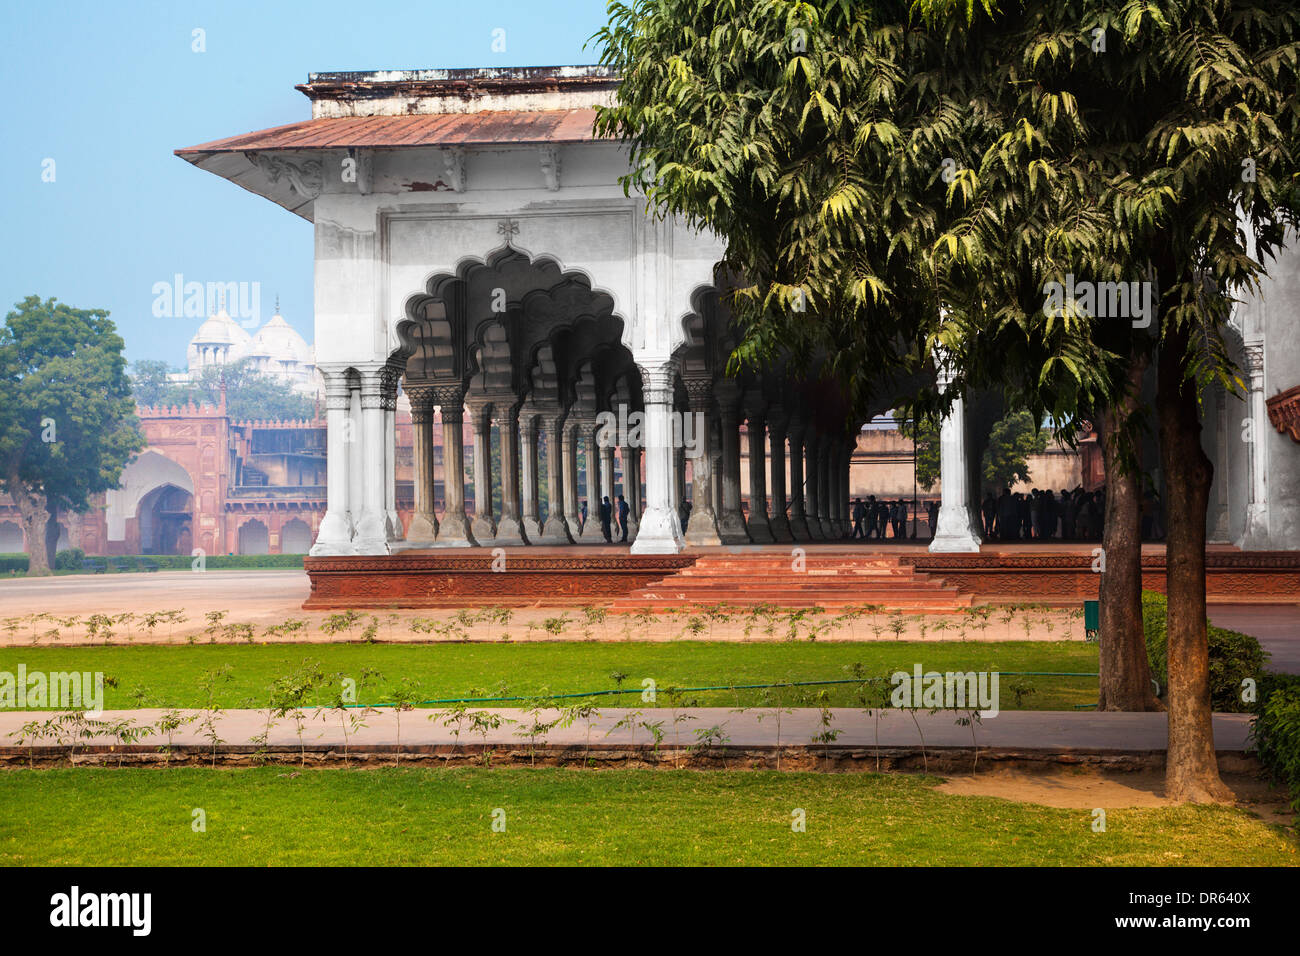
51,534
1125,670
32,513
1191,770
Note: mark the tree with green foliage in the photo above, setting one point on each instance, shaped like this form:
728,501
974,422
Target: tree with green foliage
1153,145
250,394
878,161
67,424
149,384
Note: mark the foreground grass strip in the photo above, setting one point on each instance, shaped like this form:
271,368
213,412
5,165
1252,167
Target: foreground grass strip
421,816
170,674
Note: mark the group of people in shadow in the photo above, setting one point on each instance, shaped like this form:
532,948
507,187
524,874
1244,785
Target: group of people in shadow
1039,514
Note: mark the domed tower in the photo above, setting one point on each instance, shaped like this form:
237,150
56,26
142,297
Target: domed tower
219,341
277,349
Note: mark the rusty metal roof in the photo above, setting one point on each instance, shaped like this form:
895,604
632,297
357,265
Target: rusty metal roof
487,128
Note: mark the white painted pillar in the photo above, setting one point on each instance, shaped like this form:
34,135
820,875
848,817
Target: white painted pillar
393,521
371,535
956,531
1255,535
335,534
660,531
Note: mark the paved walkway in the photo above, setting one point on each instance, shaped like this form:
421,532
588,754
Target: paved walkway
1042,731
1276,625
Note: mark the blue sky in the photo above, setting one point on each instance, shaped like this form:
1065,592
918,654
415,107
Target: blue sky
108,90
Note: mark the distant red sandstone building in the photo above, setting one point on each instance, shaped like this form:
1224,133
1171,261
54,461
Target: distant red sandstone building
206,481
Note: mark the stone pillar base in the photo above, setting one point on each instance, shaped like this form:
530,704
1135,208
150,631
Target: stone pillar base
454,532
760,529
509,533
702,530
483,528
781,532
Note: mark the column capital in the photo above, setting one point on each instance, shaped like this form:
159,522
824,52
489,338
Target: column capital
1253,353
699,393
421,399
778,421
657,381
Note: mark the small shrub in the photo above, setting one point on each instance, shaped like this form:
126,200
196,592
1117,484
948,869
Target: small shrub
1233,656
1275,731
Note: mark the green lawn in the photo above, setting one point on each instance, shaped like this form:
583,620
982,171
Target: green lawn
440,816
170,674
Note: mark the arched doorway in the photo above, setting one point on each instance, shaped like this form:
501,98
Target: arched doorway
11,538
295,537
164,520
254,538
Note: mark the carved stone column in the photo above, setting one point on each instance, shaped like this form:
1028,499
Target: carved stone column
824,487
569,454
813,484
556,529
632,488
510,529
424,522
731,523
760,528
589,430
335,534
798,520
702,528
454,530
484,526
777,422
660,531
390,377
532,521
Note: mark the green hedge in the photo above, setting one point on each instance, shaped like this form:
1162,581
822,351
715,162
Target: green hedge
1233,656
70,561
1275,730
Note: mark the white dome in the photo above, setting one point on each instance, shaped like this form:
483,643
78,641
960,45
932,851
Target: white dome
278,341
220,329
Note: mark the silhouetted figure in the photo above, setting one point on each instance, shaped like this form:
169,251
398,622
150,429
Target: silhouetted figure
859,516
582,519
606,515
623,511
1008,516
989,512
932,516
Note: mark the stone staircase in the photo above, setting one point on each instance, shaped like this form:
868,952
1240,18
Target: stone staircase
833,580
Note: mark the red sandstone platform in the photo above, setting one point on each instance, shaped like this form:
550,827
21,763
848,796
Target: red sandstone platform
903,576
